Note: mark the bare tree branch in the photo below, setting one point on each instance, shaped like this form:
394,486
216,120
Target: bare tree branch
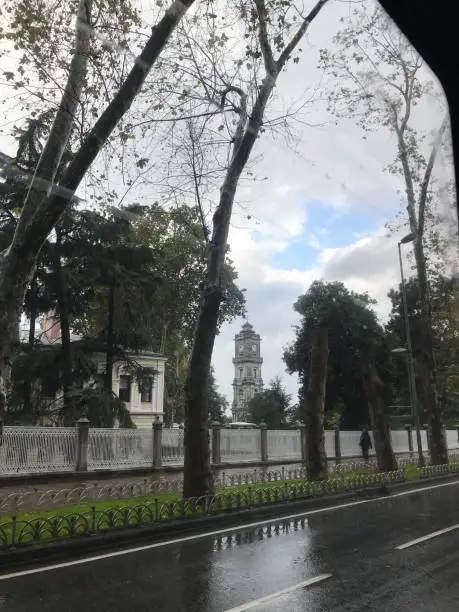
427,175
48,214
270,64
286,53
196,181
51,156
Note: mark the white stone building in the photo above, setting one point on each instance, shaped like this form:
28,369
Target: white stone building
247,370
144,404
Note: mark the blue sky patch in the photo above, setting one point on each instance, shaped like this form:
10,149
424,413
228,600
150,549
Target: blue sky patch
326,227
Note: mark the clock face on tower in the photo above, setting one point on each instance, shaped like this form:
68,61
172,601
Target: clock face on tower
254,348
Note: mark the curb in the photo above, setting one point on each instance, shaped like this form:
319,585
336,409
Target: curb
82,546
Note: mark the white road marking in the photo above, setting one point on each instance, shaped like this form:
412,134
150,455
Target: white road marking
227,530
427,537
263,600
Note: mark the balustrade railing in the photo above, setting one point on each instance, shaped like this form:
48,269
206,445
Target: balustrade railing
29,450
330,443
240,445
452,439
399,440
172,447
119,448
284,444
35,450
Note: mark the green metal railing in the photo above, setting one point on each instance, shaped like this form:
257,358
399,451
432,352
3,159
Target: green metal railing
16,532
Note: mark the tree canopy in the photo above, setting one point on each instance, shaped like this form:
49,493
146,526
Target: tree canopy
217,403
444,300
123,280
271,406
352,325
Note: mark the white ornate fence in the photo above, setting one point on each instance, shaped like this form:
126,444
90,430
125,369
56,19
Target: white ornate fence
452,439
119,448
399,440
284,444
29,450
172,447
330,443
425,445
240,445
349,441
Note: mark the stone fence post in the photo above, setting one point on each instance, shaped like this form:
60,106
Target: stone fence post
264,441
426,428
216,442
82,444
157,443
409,433
302,428
337,445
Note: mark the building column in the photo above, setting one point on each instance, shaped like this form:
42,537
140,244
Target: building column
337,445
82,444
159,400
134,404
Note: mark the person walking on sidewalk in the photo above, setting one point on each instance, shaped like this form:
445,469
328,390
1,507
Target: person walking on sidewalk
365,443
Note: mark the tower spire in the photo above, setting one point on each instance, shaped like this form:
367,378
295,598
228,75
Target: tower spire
247,363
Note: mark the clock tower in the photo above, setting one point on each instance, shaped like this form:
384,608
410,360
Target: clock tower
247,370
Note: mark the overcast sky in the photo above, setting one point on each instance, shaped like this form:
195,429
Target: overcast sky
321,213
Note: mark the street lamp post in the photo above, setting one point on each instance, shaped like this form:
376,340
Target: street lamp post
409,353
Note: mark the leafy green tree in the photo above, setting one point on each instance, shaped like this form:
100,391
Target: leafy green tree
174,400
177,237
357,352
51,191
217,403
129,280
444,303
94,261
272,405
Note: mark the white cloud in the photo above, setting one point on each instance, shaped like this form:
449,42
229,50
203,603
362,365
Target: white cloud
369,264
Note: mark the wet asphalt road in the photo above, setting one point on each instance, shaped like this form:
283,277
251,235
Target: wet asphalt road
220,573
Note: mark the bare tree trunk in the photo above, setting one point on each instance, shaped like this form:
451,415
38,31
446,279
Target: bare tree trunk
198,479
427,366
31,344
10,314
197,474
372,385
426,360
64,323
316,459
42,211
109,354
